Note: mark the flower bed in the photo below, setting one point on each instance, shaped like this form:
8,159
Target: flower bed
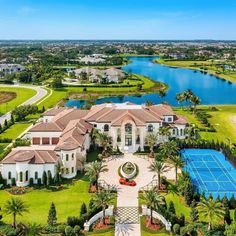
18,190
155,226
126,182
99,224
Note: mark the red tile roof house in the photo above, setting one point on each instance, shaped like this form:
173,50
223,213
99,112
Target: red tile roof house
63,135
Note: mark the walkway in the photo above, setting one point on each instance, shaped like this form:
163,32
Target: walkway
127,215
41,92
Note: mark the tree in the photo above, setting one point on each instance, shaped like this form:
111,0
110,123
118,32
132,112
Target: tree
151,140
30,229
195,100
12,119
164,131
160,168
230,230
194,213
14,207
1,179
103,140
52,215
180,98
169,149
178,162
5,124
102,199
44,178
171,208
227,218
153,200
210,210
57,82
49,179
83,209
22,111
93,170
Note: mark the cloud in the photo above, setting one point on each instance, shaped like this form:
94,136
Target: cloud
27,10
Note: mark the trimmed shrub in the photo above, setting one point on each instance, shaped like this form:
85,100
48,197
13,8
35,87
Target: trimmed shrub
176,229
68,231
77,230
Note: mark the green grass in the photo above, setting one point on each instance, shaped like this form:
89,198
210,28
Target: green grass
223,120
23,94
198,65
67,202
15,130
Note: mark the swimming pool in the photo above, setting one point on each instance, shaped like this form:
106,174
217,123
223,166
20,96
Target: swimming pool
210,172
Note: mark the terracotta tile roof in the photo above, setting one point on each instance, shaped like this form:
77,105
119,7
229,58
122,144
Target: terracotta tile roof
46,127
31,157
162,110
181,120
74,135
63,118
54,111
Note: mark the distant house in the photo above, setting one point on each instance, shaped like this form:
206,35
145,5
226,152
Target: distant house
111,75
93,59
6,69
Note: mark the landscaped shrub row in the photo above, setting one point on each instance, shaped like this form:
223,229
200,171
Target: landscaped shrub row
202,116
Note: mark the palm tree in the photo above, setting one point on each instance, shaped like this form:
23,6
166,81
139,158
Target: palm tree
153,200
169,149
210,210
164,131
102,199
104,141
93,170
195,100
187,95
160,168
178,162
180,98
151,140
30,229
15,206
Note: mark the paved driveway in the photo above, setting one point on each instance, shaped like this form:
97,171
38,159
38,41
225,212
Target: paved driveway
41,92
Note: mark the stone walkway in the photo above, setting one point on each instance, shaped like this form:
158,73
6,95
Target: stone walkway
127,215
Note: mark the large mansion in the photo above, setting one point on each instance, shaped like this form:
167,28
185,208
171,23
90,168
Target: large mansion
62,136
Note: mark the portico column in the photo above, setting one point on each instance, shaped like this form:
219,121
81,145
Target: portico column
133,137
141,138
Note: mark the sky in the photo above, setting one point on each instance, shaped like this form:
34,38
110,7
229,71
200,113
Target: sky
118,19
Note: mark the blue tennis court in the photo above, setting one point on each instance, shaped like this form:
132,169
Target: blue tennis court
210,172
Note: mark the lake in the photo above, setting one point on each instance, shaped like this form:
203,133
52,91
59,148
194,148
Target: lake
210,89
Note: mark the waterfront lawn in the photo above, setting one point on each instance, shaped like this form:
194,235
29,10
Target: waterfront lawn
208,66
67,202
223,120
22,95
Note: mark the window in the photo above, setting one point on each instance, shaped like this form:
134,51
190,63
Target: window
26,175
21,176
181,132
95,126
72,170
67,157
118,138
150,128
169,119
173,131
106,128
138,139
67,171
36,175
128,128
73,155
9,175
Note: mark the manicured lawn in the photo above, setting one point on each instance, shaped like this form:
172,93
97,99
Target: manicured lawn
198,65
3,146
67,202
22,94
15,130
223,120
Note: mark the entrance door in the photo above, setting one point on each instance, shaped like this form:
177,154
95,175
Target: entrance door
128,140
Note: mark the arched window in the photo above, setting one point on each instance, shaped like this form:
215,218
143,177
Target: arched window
181,132
67,157
106,128
36,175
26,175
128,128
9,175
150,128
73,155
21,176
